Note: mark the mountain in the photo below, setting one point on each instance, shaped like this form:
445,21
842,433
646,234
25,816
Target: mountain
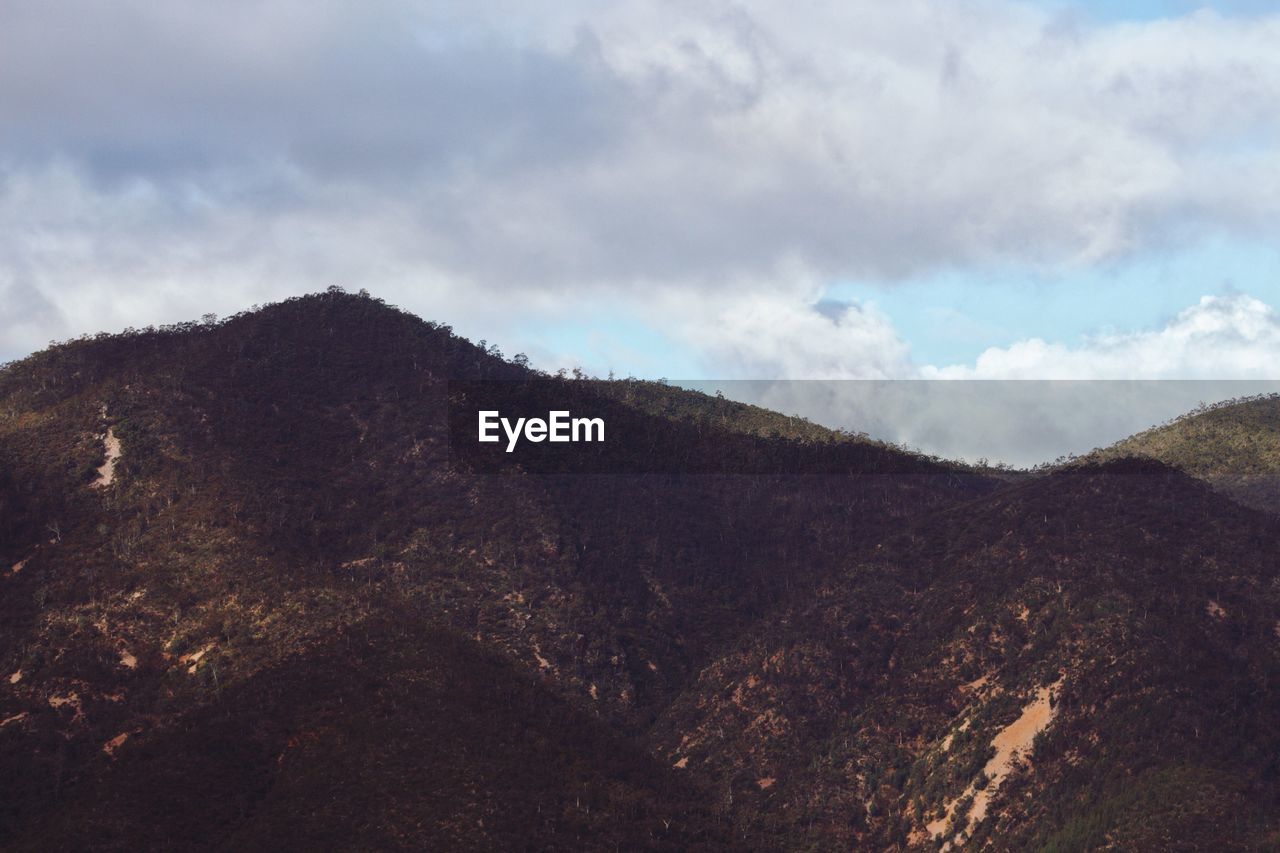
1233,445
1126,609
260,593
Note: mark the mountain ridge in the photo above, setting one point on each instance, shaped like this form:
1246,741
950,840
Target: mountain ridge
1233,445
714,660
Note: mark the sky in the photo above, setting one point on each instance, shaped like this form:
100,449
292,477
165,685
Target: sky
925,189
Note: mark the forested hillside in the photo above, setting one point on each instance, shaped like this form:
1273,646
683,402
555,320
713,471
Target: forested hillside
252,597
1233,445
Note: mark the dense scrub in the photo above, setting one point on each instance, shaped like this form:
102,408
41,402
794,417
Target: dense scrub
296,615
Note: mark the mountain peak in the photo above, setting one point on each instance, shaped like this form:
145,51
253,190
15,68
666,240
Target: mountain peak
290,576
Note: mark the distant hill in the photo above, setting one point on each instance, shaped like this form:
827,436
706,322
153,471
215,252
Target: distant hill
252,597
1234,446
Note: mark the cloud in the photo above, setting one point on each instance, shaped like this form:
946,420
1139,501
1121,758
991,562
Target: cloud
1019,422
763,333
1221,337
794,335
721,159
844,366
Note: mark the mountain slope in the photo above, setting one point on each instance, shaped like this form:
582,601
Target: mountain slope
293,610
390,735
284,478
1234,446
1127,611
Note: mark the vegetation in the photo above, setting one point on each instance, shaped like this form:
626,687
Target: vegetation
1233,445
317,621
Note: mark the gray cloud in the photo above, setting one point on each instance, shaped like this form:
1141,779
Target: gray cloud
193,90
228,153
1022,423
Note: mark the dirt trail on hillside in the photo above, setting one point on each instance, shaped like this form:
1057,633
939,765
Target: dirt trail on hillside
193,658
115,743
107,472
1012,742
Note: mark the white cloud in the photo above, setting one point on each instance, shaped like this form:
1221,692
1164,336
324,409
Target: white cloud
1019,422
775,332
1221,337
1223,347
772,333
716,158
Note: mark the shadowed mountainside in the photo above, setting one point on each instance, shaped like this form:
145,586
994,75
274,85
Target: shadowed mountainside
289,614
